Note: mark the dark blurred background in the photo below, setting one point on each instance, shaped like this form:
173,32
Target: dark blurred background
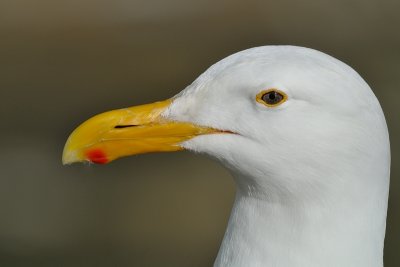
64,61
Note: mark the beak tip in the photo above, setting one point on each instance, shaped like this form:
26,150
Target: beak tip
69,157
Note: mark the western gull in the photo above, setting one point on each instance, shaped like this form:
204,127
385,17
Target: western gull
305,140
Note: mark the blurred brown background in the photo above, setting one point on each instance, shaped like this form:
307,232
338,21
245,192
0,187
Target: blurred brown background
64,61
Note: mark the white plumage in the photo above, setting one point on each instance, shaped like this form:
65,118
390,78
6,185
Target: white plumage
312,174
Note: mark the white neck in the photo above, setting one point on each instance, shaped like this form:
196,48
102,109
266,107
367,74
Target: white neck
266,232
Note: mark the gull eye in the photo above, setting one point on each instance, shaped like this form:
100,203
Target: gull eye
271,97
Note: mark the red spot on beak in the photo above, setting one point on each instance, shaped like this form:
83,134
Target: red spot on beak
97,156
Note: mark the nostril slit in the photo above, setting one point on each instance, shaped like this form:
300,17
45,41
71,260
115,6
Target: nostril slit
125,126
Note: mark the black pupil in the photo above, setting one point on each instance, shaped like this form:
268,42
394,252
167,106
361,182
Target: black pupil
272,97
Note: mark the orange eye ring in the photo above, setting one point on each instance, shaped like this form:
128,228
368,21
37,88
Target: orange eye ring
271,97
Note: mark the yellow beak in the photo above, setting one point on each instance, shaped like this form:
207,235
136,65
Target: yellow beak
123,132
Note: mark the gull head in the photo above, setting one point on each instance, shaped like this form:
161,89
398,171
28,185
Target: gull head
304,137
284,119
